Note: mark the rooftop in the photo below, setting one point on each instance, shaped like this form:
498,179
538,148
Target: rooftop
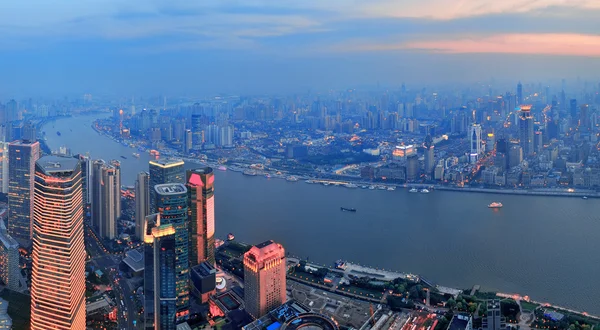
170,188
167,162
135,260
57,164
204,269
459,322
8,241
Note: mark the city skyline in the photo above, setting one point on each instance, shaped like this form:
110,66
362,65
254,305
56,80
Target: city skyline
212,47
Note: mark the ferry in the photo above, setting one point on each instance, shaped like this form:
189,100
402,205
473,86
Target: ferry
371,187
584,197
291,179
249,172
424,191
347,209
350,185
136,155
414,190
364,187
326,184
391,188
230,237
222,168
495,205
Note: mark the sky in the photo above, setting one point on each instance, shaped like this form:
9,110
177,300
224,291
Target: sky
149,47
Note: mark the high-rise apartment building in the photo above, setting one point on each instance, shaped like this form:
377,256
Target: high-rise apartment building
264,278
164,171
86,176
171,202
142,203
106,197
10,273
160,294
22,156
201,220
58,273
526,130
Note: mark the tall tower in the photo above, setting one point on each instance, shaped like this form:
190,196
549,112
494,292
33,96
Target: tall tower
4,166
164,171
526,130
142,203
58,274
160,294
106,201
21,170
86,176
264,278
476,147
187,141
171,201
429,156
10,273
519,93
201,220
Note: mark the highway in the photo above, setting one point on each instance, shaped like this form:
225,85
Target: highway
108,263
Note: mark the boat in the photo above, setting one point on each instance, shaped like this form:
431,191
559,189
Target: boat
230,237
391,188
58,133
495,205
325,184
414,190
424,191
364,187
291,178
309,181
350,185
347,209
249,172
584,197
123,157
222,168
136,155
267,175
371,187
381,187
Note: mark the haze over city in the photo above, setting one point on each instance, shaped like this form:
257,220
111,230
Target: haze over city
244,47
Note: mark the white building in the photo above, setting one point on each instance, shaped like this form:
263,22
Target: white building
476,146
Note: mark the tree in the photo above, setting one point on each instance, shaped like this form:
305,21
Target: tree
451,303
459,306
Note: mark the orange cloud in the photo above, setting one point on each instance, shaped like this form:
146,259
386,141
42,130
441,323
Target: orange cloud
529,43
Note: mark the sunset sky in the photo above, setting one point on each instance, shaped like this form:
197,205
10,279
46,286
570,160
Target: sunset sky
253,46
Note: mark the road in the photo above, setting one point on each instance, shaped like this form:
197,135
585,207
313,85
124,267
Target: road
109,263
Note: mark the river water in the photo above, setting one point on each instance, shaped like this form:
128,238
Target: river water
545,247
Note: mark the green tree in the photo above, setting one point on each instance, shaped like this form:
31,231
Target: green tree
451,303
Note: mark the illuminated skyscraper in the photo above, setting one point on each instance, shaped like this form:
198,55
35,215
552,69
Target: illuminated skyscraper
526,130
476,146
86,176
264,278
58,273
164,171
201,220
10,273
160,294
106,198
3,167
171,201
22,156
142,203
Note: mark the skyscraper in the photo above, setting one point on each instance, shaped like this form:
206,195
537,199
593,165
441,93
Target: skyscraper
106,201
519,93
58,274
10,273
187,141
4,167
201,220
171,201
86,176
142,203
573,109
164,171
476,146
21,170
526,130
160,294
429,156
493,319
264,278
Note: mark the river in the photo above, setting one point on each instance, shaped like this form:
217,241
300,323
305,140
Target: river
544,247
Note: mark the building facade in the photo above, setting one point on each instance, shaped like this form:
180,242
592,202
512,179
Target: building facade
526,130
142,203
106,198
201,215
10,273
264,278
171,201
164,171
58,273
